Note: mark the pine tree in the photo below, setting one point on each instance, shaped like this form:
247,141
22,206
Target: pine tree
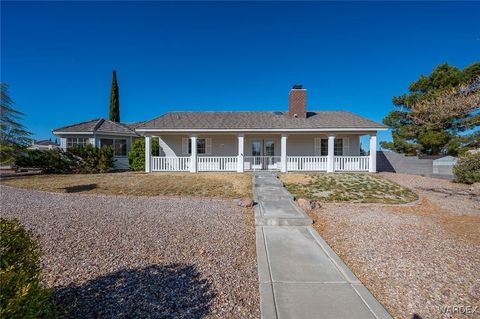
14,137
114,100
438,113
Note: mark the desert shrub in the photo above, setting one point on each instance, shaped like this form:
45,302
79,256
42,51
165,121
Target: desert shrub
467,169
50,161
80,159
22,294
92,159
136,156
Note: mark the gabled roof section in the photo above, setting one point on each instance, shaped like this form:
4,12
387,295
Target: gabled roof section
97,126
259,120
45,143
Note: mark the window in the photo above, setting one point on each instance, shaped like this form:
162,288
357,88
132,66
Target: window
269,148
324,147
201,146
337,147
75,141
256,148
106,141
119,145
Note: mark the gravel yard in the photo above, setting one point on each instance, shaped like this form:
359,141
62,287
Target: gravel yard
119,256
415,258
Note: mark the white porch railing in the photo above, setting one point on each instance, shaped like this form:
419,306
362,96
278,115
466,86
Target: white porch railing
254,163
217,163
351,163
307,163
169,164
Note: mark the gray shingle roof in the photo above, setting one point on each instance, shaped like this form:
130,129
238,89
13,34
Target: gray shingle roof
45,143
259,120
98,126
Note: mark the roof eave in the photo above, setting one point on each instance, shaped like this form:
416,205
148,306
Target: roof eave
93,133
344,129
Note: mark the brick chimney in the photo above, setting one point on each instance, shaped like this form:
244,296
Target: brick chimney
297,102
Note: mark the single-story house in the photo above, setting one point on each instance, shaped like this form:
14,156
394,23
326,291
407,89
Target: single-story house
295,140
99,132
43,145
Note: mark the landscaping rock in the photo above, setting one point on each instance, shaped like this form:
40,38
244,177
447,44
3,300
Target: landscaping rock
308,204
141,257
475,188
245,202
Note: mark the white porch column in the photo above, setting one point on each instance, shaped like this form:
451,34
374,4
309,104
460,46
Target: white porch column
193,158
241,144
373,154
148,154
283,153
330,155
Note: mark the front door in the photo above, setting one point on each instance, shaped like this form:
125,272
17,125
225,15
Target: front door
269,153
257,153
263,152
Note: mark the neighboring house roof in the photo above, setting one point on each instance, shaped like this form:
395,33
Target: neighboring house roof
97,126
259,120
45,143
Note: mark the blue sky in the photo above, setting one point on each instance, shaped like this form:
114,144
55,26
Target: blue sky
58,57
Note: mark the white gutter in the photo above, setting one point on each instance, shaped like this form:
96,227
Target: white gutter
91,133
266,130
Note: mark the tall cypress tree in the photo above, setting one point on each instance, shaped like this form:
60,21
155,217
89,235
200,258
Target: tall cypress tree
114,100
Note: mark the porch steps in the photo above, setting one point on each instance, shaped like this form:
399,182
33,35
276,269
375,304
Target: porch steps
275,205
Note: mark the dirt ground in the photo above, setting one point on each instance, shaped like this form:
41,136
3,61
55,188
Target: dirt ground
415,258
225,185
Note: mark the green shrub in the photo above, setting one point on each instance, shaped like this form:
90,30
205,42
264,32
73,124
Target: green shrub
50,161
21,293
92,159
136,156
467,169
80,159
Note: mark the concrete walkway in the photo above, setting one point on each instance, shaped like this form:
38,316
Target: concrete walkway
300,275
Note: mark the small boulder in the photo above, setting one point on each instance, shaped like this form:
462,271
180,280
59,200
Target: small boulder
245,202
308,204
475,188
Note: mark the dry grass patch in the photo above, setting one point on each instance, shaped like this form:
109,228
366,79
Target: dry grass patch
228,185
464,227
347,187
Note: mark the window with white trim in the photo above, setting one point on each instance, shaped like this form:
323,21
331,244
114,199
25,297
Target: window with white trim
119,146
77,141
337,147
201,146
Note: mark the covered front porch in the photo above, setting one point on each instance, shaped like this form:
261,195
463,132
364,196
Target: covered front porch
240,152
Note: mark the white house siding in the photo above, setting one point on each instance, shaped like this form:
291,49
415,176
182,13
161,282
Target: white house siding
63,139
222,145
304,144
63,143
121,162
227,145
301,144
352,147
